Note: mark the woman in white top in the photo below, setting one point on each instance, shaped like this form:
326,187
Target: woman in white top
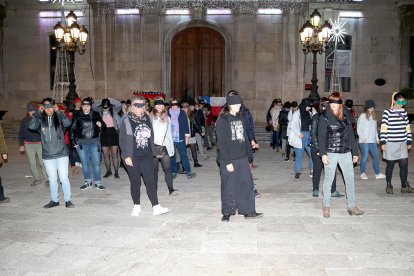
162,137
368,139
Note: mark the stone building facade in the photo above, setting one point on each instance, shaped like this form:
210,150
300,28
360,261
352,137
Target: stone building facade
263,56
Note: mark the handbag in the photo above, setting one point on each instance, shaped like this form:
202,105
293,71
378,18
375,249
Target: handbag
159,150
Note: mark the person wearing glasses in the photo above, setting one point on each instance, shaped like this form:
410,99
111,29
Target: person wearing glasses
84,134
52,123
136,140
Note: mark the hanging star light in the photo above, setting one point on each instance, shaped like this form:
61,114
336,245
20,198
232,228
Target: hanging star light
338,31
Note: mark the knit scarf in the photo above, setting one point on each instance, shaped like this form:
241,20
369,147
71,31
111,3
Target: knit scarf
175,126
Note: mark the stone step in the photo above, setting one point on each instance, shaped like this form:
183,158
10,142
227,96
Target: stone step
10,129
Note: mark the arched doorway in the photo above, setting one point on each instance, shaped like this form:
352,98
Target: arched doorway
197,63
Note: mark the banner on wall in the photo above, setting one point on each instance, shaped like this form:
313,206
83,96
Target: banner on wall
215,102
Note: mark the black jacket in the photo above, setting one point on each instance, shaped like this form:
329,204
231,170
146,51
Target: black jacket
283,122
314,132
27,135
336,136
53,139
230,145
84,127
199,119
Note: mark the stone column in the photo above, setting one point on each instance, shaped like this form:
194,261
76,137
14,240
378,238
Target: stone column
2,16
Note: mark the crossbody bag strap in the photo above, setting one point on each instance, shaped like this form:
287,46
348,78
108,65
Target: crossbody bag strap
165,135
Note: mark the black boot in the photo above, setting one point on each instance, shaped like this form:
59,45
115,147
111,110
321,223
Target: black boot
108,174
406,188
389,189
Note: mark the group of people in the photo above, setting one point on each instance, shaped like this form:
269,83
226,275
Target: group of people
145,135
327,131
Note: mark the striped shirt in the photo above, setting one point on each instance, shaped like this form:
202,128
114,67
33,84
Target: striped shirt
395,126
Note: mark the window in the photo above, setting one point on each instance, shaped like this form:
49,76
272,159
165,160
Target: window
52,55
411,63
346,58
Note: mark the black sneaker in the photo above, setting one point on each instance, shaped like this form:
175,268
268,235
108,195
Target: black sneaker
51,204
69,204
5,200
99,187
253,216
173,192
87,185
286,159
116,175
225,218
197,165
297,176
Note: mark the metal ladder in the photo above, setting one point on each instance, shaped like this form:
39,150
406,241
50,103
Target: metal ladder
61,81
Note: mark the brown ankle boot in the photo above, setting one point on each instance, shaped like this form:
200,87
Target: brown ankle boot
389,189
355,211
326,212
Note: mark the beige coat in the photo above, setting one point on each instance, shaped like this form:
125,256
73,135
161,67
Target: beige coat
3,148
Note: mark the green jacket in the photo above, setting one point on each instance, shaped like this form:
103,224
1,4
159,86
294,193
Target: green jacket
3,148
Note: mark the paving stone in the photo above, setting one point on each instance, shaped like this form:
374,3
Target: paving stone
100,237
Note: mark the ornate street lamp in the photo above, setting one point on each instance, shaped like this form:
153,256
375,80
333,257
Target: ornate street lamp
71,39
314,38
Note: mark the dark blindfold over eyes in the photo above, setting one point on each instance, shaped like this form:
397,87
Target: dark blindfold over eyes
175,104
157,102
139,105
335,101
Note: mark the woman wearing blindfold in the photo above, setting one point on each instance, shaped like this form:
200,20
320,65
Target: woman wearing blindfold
337,145
136,140
234,155
395,139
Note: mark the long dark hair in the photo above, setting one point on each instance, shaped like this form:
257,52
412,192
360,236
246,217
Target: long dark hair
56,121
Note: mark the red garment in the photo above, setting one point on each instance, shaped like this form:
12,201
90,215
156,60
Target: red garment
210,119
69,114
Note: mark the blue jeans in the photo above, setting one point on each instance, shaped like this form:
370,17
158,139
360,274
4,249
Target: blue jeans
90,153
345,162
184,158
275,138
53,168
299,152
369,148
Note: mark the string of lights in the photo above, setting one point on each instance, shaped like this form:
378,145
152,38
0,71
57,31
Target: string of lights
159,6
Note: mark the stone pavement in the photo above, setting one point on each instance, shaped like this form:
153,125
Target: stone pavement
99,237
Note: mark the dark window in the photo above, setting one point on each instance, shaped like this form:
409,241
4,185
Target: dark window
329,57
411,64
52,53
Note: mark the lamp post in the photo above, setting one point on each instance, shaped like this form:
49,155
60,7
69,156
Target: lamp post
314,38
71,39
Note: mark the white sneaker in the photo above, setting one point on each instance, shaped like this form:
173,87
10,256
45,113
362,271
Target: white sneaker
364,176
380,176
159,210
136,211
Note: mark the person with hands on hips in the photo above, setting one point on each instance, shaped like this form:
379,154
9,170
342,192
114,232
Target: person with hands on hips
396,139
234,155
337,145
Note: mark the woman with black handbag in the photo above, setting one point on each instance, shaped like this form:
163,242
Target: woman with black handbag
164,146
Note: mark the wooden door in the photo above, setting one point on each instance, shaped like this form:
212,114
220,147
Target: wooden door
197,63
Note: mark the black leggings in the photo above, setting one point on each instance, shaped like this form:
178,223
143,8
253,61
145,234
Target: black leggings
317,171
111,153
193,148
166,167
145,168
403,163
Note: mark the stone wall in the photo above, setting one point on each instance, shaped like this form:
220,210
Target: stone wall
264,58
